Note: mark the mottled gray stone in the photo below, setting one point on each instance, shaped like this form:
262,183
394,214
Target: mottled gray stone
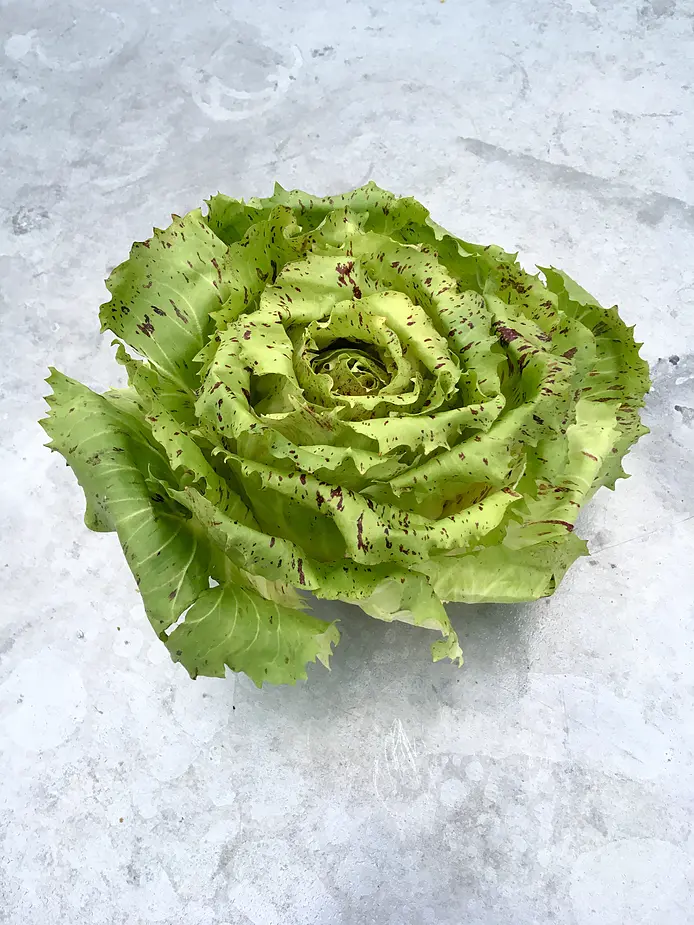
549,780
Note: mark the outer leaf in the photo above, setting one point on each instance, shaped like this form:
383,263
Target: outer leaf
163,295
170,416
230,218
356,527
503,575
236,627
312,210
618,370
386,592
110,454
389,594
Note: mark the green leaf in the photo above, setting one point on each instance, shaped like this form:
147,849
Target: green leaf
170,416
385,592
617,372
503,575
235,627
330,522
169,554
312,210
163,295
389,594
111,456
230,219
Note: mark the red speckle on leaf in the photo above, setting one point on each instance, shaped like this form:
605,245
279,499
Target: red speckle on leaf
344,271
506,335
562,523
182,315
146,327
362,545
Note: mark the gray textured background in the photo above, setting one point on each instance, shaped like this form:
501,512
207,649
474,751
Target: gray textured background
550,780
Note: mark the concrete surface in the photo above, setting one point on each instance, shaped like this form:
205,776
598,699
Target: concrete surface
550,780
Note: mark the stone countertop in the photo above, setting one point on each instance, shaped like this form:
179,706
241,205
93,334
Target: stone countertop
550,779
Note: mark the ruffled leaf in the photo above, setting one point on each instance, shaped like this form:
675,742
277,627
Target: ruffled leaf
235,627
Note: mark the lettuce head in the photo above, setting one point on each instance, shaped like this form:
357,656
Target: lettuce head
337,396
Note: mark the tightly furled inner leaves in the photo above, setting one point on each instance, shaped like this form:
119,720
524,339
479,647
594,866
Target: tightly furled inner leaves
335,395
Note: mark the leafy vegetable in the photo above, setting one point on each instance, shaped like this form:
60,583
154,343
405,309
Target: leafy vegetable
338,396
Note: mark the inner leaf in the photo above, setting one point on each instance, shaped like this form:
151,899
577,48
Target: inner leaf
354,367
